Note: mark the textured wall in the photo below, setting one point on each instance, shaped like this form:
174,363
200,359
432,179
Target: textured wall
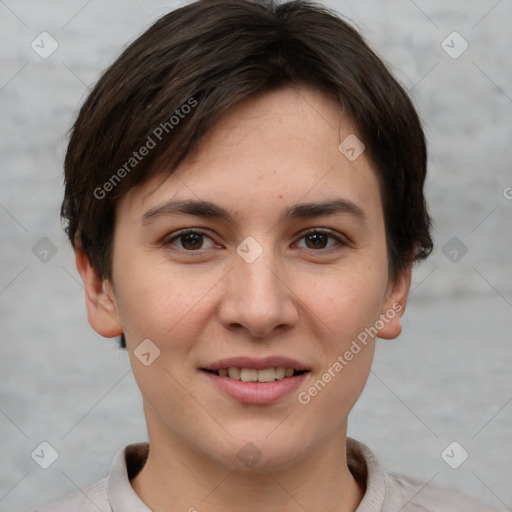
447,378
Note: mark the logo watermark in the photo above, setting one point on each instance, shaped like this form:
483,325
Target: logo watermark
151,142
304,397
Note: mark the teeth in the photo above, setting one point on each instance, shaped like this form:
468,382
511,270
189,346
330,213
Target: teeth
234,373
280,373
252,375
248,375
268,375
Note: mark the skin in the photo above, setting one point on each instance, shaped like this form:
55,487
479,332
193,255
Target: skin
297,299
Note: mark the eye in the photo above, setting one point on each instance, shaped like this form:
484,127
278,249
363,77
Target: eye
320,240
190,240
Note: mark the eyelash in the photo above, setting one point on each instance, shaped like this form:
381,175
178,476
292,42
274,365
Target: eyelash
168,241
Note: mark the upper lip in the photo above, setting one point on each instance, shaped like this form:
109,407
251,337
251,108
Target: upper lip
257,363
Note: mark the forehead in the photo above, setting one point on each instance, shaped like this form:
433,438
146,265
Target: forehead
275,149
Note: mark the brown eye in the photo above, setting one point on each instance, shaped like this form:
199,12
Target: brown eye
318,240
191,241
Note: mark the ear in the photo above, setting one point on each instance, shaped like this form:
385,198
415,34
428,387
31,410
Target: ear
394,305
99,298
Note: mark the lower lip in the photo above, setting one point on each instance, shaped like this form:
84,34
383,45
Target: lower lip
257,392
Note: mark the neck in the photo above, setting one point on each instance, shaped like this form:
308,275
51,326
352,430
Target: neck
175,477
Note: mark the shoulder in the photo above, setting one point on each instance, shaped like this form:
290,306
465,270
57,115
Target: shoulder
93,499
416,496
387,491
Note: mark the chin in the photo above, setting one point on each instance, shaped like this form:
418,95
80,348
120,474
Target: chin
257,452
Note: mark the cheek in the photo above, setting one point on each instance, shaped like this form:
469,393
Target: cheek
170,309
345,302
344,308
151,298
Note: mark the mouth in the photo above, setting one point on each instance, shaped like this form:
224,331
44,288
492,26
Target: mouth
257,381
255,375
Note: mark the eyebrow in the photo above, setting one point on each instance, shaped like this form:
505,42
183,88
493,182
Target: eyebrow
207,209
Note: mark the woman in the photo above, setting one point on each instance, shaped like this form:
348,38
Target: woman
244,194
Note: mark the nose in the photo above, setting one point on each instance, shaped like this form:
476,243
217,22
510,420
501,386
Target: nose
258,299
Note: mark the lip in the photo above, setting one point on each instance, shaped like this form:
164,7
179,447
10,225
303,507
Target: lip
256,393
257,363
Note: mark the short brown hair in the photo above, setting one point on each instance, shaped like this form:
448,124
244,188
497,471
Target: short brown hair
171,85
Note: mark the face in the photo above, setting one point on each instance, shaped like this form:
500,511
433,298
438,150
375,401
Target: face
263,253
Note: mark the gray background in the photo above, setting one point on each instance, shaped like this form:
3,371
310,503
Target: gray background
448,376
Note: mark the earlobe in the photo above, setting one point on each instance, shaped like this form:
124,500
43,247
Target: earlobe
99,297
394,306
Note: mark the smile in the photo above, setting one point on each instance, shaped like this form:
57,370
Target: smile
257,381
254,375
